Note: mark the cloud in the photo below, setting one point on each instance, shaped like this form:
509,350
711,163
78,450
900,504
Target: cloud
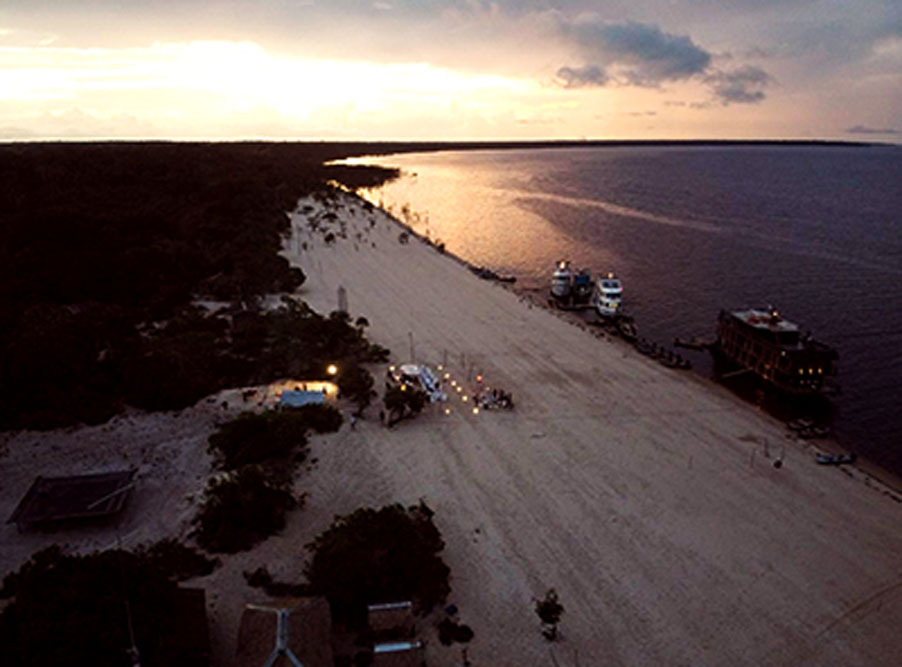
629,53
861,129
579,77
738,86
642,54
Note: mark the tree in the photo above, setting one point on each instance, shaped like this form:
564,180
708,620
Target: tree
70,610
403,401
549,611
357,384
377,556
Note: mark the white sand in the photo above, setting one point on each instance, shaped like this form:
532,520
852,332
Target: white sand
643,495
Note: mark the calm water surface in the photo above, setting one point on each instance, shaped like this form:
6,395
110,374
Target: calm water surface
815,231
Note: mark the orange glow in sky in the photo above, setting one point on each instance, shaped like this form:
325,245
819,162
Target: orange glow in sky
403,70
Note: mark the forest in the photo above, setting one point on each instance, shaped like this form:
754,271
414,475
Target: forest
105,247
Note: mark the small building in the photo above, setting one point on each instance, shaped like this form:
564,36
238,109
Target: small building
394,617
398,654
77,497
286,632
293,398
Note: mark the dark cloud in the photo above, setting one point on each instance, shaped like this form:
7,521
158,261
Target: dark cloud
738,86
639,54
643,54
579,77
861,129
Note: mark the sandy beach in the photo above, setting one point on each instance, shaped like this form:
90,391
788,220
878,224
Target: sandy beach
647,497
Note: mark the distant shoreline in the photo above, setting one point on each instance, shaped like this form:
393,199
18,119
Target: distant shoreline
391,146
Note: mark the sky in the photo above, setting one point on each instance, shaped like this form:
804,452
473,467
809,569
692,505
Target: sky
451,69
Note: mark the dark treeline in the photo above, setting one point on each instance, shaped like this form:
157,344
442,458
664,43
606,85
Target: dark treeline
103,247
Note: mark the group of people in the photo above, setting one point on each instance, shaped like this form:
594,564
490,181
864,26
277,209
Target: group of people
494,398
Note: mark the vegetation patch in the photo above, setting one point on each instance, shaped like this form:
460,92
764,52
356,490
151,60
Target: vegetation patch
403,402
378,555
73,610
276,437
104,248
242,508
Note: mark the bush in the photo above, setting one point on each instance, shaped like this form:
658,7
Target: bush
242,509
450,632
272,436
376,556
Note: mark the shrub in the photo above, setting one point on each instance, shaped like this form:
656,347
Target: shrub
271,436
549,611
241,509
450,632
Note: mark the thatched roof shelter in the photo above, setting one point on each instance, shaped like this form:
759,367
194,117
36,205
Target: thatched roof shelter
54,499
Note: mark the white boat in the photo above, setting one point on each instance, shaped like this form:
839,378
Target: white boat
608,295
562,280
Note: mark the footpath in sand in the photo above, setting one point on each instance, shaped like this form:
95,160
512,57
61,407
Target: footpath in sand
646,497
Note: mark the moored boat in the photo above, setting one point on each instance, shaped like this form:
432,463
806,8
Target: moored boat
608,295
582,287
561,280
761,342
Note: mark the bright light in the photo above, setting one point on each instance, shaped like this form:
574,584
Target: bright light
464,399
447,411
332,369
475,411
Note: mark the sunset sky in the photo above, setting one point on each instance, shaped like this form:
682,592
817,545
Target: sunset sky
451,69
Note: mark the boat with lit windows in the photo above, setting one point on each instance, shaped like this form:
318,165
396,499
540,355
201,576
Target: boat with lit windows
608,295
762,342
562,280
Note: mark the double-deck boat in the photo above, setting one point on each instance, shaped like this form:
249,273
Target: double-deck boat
561,280
760,341
608,295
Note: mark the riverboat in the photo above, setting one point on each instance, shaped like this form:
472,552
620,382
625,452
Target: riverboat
561,280
762,342
608,295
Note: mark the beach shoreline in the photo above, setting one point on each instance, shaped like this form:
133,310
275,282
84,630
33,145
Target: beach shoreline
646,497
